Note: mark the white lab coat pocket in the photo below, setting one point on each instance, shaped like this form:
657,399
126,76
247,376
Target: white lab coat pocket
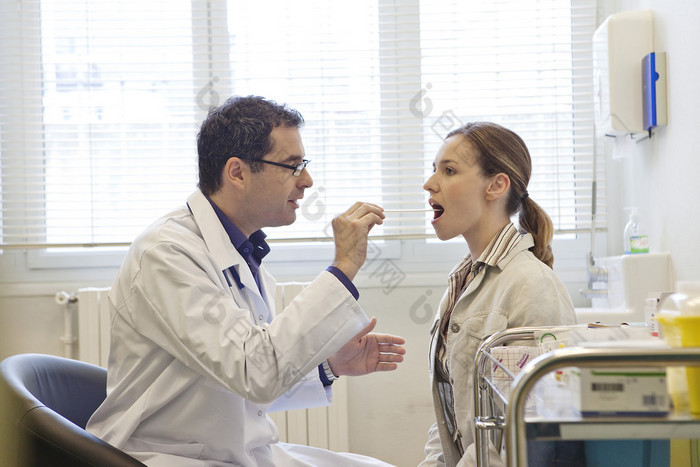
189,450
307,393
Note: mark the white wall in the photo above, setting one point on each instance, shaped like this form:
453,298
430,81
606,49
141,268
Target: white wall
390,413
662,177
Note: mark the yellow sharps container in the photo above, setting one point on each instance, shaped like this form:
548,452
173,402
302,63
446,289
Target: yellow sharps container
680,325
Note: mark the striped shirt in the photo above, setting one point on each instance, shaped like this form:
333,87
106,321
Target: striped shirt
459,279
467,269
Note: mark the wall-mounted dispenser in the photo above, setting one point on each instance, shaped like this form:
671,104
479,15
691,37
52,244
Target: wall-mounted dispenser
654,90
619,46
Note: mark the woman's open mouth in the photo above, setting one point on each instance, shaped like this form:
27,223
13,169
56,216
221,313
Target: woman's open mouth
437,210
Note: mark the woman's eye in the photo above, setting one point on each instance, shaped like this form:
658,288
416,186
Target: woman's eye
449,171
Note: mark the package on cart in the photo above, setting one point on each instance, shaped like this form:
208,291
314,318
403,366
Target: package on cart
553,391
512,358
619,391
553,338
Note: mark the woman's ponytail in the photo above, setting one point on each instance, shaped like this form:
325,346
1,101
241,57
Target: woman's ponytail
536,221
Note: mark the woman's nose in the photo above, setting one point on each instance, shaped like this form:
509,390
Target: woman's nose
428,185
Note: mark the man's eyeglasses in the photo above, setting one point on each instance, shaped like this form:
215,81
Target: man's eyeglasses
295,168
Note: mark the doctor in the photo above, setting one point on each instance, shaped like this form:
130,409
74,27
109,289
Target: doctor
198,355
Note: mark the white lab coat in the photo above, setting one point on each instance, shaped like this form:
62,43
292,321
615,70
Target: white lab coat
195,363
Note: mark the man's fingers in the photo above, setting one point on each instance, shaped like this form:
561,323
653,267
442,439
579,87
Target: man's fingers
389,339
367,329
386,366
390,357
359,215
365,211
360,208
391,349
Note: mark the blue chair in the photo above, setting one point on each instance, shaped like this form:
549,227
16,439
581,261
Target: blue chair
45,403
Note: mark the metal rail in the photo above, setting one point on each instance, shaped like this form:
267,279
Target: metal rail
486,419
512,420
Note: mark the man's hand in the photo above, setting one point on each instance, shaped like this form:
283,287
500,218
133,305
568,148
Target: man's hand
350,231
366,353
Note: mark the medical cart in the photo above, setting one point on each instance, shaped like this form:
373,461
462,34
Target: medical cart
503,417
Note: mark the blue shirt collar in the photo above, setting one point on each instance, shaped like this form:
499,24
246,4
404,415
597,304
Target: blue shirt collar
253,248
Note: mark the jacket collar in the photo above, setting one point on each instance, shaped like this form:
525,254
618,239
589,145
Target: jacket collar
217,240
524,243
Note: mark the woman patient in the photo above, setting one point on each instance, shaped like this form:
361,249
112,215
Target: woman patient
479,181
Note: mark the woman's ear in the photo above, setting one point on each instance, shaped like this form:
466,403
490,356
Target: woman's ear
498,187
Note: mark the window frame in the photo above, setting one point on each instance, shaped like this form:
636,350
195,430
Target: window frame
433,257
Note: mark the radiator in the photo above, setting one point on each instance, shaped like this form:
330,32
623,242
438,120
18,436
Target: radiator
93,325
322,427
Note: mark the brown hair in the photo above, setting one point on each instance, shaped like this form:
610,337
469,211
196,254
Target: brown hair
240,127
500,150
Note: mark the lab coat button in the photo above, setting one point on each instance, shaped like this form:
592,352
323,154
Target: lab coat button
454,327
259,413
260,317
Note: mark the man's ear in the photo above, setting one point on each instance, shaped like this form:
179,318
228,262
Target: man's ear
233,172
498,187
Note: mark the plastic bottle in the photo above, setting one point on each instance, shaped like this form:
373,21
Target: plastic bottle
680,323
650,310
636,239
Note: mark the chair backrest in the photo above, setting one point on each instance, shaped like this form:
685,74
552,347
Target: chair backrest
45,402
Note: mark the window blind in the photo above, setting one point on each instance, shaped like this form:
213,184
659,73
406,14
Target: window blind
100,104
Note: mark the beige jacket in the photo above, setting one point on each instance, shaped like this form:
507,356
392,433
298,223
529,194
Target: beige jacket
519,291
